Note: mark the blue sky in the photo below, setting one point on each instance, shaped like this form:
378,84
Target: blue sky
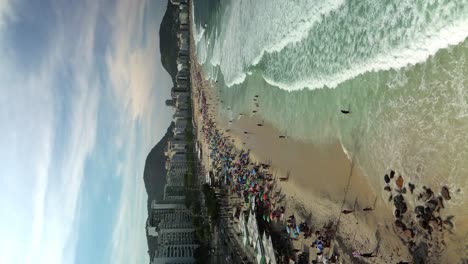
82,95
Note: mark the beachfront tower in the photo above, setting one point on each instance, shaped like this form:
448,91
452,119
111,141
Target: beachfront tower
170,102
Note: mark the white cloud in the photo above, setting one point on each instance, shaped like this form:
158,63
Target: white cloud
120,60
43,176
25,158
6,12
135,72
42,165
128,240
140,85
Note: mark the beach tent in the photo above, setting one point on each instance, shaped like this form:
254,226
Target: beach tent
253,227
245,235
254,239
260,251
208,178
269,250
243,227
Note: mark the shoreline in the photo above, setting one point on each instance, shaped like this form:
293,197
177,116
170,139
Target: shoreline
316,187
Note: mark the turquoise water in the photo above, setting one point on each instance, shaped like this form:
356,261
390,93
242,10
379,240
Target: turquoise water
400,66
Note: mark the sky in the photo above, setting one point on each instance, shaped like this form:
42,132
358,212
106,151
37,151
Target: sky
82,93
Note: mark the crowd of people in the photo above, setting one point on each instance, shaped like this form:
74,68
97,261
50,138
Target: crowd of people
252,182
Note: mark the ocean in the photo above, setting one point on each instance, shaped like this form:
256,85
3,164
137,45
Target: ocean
400,67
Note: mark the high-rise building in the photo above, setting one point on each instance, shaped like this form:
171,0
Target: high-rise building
170,102
175,254
169,218
175,178
180,125
174,192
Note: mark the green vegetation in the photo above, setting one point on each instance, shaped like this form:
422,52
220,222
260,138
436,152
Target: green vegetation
191,159
211,203
202,254
192,194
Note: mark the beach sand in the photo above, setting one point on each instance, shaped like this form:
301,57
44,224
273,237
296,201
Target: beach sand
317,184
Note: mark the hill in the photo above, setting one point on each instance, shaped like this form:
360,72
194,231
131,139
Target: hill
168,40
154,177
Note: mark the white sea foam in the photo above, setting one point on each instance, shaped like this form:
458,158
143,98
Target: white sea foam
266,26
299,32
417,52
237,80
202,51
269,28
199,35
216,55
194,25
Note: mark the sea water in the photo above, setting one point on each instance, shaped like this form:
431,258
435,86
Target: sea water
400,67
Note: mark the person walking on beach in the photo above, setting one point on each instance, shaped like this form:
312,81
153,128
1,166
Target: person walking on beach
357,254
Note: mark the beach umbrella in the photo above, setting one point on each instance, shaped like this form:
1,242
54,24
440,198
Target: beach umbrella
399,182
294,235
320,246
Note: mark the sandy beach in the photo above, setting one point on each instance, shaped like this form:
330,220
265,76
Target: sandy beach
322,182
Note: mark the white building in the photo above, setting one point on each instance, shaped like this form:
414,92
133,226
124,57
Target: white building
174,192
175,177
166,219
174,147
183,18
177,168
175,93
178,2
172,224
181,114
182,74
180,125
178,165
167,207
180,254
178,157
176,236
182,86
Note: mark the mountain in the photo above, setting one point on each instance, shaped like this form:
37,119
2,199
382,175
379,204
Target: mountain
155,172
154,177
168,40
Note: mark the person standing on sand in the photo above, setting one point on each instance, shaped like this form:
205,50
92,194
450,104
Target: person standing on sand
356,254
